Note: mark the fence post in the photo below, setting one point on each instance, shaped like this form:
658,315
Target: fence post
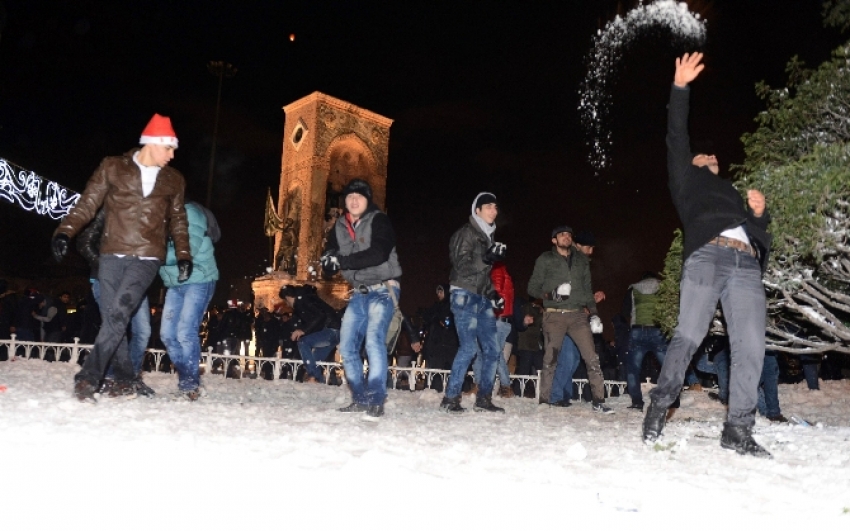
13,348
75,351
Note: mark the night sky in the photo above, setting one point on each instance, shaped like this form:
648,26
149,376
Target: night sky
483,94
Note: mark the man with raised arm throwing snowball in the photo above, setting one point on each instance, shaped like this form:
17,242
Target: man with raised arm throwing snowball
725,251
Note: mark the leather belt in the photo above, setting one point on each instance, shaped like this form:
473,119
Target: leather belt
559,310
364,289
644,326
723,241
504,319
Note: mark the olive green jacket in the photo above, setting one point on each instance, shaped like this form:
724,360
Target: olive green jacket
551,270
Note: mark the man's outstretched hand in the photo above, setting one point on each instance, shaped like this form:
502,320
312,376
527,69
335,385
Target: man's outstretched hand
688,68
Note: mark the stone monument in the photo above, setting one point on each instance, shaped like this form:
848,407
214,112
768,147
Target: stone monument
327,142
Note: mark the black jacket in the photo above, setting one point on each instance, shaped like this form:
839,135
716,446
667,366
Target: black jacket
88,242
313,313
438,323
467,249
706,203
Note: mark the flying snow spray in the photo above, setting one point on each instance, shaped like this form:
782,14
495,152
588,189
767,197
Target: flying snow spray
608,44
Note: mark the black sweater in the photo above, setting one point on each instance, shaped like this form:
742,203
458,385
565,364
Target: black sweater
706,203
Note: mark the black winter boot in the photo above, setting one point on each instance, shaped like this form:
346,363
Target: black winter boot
452,405
653,422
740,439
485,403
142,388
375,411
84,391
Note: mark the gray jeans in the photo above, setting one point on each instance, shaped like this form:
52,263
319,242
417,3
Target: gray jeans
733,277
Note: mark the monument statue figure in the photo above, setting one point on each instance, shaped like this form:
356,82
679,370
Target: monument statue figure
288,250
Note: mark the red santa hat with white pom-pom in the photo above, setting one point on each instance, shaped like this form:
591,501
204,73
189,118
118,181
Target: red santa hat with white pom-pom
159,131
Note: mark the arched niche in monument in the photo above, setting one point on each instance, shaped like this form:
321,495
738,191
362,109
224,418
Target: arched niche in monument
348,158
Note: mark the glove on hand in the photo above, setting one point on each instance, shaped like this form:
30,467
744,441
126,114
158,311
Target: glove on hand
595,324
59,245
497,301
184,270
330,263
495,253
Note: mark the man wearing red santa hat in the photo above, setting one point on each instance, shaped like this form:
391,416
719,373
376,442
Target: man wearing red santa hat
143,201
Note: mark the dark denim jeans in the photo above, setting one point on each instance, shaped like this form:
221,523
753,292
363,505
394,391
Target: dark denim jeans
140,329
768,402
811,367
476,324
642,339
568,360
123,283
317,347
733,277
721,365
768,391
184,308
367,318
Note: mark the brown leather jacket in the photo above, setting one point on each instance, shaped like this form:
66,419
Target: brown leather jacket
135,225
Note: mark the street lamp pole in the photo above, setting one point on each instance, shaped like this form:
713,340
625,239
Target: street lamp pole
221,70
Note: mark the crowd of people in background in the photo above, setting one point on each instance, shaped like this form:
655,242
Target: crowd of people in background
270,331
133,222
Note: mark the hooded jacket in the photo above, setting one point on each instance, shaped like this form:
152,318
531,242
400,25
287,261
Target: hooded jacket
135,225
201,244
639,304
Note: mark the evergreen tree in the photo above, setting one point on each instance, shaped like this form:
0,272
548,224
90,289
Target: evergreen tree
667,306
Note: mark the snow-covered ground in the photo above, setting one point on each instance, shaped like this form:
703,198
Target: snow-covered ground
262,454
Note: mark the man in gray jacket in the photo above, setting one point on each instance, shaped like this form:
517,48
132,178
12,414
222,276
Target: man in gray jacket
362,245
473,252
561,277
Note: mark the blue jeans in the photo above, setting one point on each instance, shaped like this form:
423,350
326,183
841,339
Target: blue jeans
768,401
140,329
476,324
733,277
642,339
502,331
367,317
568,360
182,313
317,347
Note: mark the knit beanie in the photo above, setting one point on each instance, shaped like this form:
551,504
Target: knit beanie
358,186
